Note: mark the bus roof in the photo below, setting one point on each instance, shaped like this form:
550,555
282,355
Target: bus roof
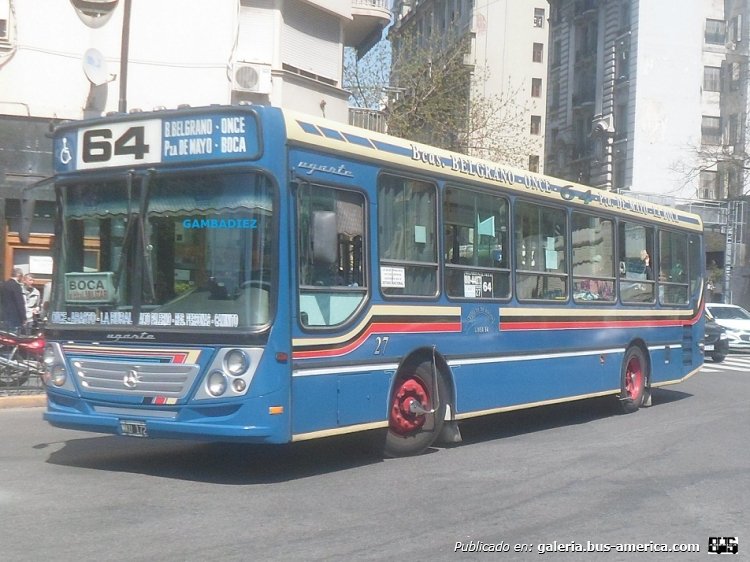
237,138
356,142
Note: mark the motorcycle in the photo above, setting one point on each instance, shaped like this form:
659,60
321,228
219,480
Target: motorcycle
20,357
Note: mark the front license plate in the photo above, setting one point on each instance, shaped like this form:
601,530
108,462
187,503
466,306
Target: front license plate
709,348
133,428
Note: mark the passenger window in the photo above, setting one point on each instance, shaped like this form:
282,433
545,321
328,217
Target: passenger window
696,260
407,236
476,245
636,245
673,267
541,269
332,280
593,258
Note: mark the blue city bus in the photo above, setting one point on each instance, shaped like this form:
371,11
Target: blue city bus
246,273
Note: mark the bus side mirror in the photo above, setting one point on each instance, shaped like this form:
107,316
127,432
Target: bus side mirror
623,269
28,203
324,237
29,195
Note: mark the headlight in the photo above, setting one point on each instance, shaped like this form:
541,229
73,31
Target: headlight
723,336
216,383
230,373
236,362
58,375
49,356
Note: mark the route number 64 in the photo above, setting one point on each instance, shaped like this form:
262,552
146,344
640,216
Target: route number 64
98,145
120,144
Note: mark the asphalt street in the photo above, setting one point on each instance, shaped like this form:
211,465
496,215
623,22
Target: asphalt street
546,480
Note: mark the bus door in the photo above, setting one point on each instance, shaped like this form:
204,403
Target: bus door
332,289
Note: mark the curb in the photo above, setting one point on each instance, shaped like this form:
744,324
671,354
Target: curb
26,401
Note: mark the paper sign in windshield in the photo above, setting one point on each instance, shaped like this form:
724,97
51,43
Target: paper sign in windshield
89,288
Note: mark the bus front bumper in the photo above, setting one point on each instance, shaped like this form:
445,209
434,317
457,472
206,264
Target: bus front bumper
232,426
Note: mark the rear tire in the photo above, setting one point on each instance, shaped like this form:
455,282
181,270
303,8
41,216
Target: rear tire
410,433
633,380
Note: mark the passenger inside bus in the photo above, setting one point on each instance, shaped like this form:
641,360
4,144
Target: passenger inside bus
646,259
596,288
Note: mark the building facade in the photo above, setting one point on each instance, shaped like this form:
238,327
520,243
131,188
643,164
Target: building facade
62,60
652,98
627,103
506,50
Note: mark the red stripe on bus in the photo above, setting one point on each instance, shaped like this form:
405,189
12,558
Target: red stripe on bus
380,328
547,325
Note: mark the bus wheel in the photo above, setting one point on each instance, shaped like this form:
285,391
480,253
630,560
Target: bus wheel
416,411
633,380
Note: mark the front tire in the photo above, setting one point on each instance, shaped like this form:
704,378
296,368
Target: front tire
409,432
718,357
633,380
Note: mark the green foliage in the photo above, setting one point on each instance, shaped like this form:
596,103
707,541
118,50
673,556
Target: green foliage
428,93
431,101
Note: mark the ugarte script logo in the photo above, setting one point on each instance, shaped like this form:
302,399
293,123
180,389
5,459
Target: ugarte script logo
127,337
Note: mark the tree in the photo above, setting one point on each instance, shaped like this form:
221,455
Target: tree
727,168
367,78
429,94
722,151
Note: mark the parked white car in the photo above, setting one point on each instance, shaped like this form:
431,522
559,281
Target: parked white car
736,321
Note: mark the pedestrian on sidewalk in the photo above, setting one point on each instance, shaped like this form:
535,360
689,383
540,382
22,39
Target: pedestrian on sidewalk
13,301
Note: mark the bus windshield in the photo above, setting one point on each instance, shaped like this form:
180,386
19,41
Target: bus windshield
172,251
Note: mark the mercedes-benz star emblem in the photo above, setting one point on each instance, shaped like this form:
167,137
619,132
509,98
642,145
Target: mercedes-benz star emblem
131,378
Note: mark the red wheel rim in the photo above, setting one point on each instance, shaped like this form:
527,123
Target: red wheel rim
402,420
634,378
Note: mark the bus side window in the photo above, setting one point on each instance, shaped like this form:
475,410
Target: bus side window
540,246
636,244
593,258
330,249
673,258
476,244
407,236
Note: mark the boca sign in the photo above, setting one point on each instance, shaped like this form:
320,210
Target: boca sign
90,288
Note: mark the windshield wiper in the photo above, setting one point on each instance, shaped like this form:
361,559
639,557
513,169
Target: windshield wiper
135,238
126,241
142,263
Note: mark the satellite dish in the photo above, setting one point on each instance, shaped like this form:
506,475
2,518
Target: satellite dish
95,67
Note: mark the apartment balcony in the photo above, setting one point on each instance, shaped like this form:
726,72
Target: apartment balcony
369,18
371,119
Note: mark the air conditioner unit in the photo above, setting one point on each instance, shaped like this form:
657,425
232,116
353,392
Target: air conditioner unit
251,77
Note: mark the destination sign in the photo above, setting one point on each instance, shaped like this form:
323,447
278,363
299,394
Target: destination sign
169,139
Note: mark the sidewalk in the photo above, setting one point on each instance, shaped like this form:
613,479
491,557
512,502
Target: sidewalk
23,400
